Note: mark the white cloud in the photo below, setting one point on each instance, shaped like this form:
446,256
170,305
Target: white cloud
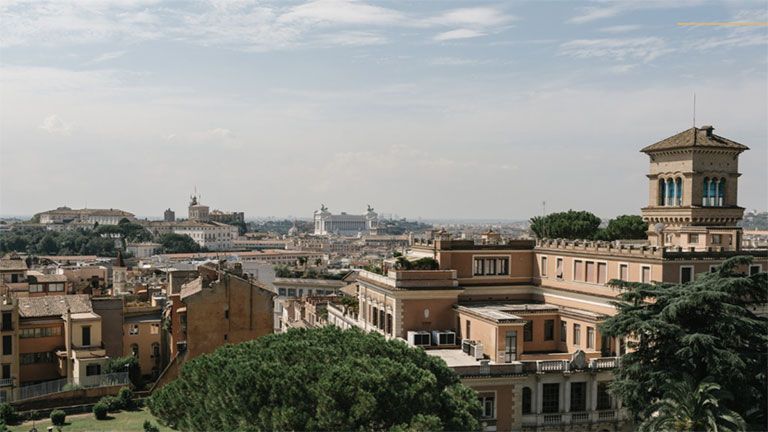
613,8
221,133
644,49
55,125
473,17
453,61
621,28
341,12
458,34
106,57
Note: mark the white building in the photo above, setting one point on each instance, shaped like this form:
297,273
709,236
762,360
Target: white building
89,216
212,235
144,249
345,224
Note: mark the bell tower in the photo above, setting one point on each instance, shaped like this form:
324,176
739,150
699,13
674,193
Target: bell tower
693,188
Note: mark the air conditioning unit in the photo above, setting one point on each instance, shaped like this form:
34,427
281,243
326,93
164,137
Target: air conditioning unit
465,345
476,350
419,338
443,337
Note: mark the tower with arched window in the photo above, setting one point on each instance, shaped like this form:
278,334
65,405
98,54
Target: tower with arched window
693,187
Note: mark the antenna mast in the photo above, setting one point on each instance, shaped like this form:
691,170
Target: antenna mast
694,109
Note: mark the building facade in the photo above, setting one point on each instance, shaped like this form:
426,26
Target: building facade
63,215
327,223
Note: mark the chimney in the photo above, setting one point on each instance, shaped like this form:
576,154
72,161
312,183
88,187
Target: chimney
708,129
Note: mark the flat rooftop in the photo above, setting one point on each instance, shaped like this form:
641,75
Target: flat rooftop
454,357
503,312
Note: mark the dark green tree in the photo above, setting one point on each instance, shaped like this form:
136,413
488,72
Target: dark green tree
317,379
574,225
426,263
178,243
625,227
704,329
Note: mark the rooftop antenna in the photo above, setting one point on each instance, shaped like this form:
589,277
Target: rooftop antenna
694,109
544,218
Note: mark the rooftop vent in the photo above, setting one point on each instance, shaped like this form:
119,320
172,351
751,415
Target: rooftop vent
708,129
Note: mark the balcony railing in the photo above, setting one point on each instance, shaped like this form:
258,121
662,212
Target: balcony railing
569,418
5,382
61,385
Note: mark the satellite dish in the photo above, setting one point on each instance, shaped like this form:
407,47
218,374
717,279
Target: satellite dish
659,227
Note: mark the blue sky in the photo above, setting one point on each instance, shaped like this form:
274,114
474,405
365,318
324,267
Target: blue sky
432,109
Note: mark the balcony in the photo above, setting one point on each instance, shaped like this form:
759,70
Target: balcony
550,366
6,382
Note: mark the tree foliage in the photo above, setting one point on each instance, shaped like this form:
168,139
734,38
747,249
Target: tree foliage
688,405
703,329
70,242
318,379
178,243
426,263
625,227
567,225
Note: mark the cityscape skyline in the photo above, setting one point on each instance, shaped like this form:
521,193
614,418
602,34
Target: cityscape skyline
484,109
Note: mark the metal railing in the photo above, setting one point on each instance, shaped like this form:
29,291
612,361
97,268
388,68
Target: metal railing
5,382
570,417
62,385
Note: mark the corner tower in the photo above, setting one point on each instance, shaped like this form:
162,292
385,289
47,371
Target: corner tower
693,188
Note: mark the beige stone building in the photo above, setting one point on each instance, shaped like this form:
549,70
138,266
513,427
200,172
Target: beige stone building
520,320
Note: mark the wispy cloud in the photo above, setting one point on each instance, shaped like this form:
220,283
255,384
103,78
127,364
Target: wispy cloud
55,125
458,34
242,25
643,49
106,57
612,8
621,28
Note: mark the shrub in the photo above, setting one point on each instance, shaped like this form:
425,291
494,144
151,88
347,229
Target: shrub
58,417
8,413
100,410
112,403
125,396
149,427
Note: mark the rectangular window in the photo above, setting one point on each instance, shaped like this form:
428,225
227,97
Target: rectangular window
603,397
624,272
489,405
469,327
40,357
578,396
35,288
717,239
693,238
755,269
602,273
549,330
591,276
646,275
7,345
550,398
491,266
6,371
92,369
577,334
559,269
291,292
39,332
7,321
154,328
56,287
578,270
544,266
528,331
686,274
590,337
281,292
134,329
563,331
86,335
510,347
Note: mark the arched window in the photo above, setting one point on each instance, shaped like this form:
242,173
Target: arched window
713,191
670,192
678,191
705,192
721,193
662,192
135,350
527,400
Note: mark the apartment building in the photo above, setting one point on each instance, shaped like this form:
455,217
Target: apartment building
142,339
519,320
218,307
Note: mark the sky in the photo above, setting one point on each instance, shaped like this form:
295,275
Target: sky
424,109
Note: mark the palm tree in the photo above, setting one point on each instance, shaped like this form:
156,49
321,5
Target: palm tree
691,406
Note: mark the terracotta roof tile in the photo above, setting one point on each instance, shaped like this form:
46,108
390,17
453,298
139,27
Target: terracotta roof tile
695,137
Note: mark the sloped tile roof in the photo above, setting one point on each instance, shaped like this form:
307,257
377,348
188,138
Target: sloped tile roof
56,305
695,137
